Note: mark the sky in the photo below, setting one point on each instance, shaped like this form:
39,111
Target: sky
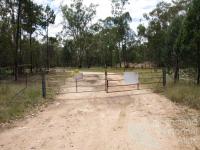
136,8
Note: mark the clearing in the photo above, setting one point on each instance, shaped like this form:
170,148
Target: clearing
137,119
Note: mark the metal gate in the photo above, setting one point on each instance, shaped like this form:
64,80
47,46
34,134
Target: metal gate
86,82
113,82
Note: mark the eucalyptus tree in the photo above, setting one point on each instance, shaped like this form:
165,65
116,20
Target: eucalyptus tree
121,20
14,20
118,7
165,34
192,27
124,30
78,19
174,41
156,33
108,38
141,29
68,53
48,18
18,37
31,21
6,36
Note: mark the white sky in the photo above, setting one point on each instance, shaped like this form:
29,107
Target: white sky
136,8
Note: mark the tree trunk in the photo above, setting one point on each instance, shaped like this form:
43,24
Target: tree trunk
47,48
20,54
123,54
177,68
17,39
120,64
198,63
111,58
87,60
31,57
80,60
198,75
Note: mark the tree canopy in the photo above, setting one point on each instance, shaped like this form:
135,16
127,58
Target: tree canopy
170,39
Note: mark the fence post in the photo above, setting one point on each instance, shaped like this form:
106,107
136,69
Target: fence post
76,86
164,77
138,86
106,86
106,80
43,85
26,80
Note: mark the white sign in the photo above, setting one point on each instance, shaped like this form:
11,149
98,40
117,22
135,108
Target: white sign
131,77
79,76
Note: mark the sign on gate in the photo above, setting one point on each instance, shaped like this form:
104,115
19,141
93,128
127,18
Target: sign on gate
131,77
79,76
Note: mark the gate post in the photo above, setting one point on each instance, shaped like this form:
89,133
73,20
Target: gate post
26,80
164,77
106,86
76,86
43,86
138,86
106,80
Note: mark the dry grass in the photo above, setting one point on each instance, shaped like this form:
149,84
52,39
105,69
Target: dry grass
16,100
184,93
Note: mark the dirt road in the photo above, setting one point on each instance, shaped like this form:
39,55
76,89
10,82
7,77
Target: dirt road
132,120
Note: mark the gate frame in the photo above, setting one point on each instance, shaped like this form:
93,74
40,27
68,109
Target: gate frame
107,83
163,76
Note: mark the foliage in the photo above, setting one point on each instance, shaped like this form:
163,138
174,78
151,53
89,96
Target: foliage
172,35
20,23
171,38
192,37
78,19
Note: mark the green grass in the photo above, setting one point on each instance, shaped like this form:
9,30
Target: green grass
184,93
14,106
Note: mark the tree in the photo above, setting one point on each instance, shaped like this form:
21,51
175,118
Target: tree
78,18
6,36
157,32
118,6
174,41
48,18
17,48
121,20
18,37
31,20
68,54
192,26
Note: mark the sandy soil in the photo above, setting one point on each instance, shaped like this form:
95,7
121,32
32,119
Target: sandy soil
131,120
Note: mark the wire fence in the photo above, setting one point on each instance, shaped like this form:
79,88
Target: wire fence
27,92
47,84
11,89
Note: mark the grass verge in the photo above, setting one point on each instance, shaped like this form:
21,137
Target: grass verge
16,100
184,93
